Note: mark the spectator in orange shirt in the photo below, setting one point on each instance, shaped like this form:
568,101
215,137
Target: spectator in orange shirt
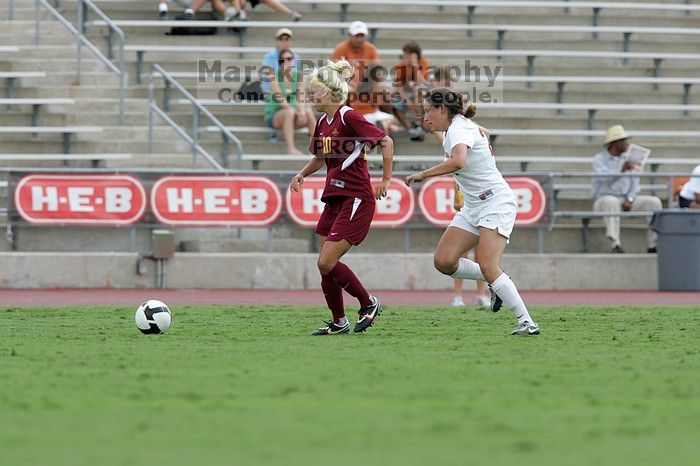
370,96
357,51
411,79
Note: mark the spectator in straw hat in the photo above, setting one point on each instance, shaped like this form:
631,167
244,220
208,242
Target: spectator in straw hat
619,193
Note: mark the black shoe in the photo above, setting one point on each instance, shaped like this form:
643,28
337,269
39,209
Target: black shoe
188,16
617,249
162,15
367,315
332,328
652,250
496,302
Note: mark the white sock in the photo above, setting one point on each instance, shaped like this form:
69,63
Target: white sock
189,10
468,269
504,287
163,7
343,321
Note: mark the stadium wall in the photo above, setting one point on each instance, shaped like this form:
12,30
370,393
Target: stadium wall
298,271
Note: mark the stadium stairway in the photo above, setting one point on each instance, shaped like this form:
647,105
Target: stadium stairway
96,102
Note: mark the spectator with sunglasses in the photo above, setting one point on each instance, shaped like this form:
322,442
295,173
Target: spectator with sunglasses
285,108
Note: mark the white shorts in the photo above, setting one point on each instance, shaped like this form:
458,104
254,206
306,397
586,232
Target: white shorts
495,214
378,116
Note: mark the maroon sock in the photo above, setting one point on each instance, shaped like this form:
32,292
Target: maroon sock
347,280
334,297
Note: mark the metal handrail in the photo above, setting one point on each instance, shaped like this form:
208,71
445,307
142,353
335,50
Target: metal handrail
198,110
81,39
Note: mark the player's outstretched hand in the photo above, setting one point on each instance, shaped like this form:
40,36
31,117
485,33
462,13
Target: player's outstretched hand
416,177
296,183
380,192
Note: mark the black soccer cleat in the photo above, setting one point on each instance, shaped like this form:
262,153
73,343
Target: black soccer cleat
332,328
367,315
496,302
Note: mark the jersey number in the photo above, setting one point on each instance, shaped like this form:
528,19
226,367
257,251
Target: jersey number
327,145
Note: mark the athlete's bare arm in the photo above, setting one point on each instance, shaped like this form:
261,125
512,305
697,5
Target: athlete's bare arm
311,167
387,145
457,160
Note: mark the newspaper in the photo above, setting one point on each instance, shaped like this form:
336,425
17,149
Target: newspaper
637,155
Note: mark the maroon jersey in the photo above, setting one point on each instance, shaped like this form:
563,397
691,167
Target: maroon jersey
342,143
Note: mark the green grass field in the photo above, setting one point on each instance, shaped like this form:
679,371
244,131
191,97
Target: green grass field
248,386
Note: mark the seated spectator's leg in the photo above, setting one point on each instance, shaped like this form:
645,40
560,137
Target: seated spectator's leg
413,106
310,121
398,108
197,5
217,5
280,7
647,203
284,120
612,223
163,8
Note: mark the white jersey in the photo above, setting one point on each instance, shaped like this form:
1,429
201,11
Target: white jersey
692,187
479,179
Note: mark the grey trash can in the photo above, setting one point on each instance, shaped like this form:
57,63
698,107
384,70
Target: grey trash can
678,251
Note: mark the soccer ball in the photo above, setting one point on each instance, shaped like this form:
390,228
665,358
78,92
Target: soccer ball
153,317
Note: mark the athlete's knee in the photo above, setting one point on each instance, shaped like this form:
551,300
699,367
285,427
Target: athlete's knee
491,271
445,264
325,265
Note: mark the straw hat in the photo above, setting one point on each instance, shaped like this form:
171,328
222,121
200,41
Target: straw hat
615,133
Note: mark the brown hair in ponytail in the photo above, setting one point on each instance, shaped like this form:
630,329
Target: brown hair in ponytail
470,112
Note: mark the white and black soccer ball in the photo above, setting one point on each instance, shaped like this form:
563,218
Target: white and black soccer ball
153,316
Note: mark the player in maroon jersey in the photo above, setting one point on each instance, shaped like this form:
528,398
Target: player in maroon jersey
340,142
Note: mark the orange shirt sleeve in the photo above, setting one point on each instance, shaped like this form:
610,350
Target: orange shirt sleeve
339,52
374,55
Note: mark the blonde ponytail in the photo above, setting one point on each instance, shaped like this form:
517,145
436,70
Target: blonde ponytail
344,69
332,80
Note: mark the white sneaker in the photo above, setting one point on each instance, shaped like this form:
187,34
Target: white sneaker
483,302
230,13
457,301
526,328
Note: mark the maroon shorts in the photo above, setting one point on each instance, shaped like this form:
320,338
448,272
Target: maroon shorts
346,218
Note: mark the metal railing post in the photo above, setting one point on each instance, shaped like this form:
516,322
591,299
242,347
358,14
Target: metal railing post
150,116
122,78
199,111
78,63
195,134
37,22
166,96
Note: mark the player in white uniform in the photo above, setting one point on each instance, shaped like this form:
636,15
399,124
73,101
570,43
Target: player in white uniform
488,215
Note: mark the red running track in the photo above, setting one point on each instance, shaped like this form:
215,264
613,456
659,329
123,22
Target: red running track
133,297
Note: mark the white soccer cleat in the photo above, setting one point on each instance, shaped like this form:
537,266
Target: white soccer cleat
483,302
526,328
457,301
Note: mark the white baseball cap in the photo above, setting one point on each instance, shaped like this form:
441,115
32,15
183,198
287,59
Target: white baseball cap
358,27
282,32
